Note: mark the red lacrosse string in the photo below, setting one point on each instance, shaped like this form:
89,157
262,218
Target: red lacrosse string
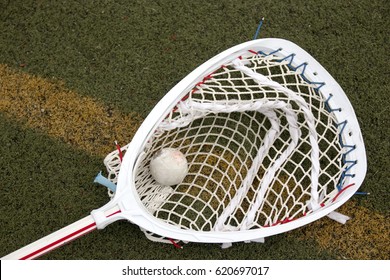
119,150
175,244
343,189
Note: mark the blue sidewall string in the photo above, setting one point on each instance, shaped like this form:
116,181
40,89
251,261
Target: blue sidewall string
361,193
258,29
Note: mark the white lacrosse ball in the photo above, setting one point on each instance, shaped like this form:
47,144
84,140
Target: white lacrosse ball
169,167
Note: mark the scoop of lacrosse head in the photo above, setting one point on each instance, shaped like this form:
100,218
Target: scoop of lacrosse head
272,144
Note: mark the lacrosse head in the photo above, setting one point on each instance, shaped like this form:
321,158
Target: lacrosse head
271,140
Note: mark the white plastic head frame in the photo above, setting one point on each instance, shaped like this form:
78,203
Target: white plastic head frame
126,197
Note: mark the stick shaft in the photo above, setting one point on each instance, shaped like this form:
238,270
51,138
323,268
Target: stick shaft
57,239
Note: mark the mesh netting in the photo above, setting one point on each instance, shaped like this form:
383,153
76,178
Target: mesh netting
250,146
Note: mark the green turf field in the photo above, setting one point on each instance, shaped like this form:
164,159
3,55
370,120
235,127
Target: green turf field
76,76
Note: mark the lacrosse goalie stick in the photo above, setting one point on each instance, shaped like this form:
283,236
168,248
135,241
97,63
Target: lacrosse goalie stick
272,144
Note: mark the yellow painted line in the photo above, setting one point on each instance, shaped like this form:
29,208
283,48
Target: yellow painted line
62,113
364,236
